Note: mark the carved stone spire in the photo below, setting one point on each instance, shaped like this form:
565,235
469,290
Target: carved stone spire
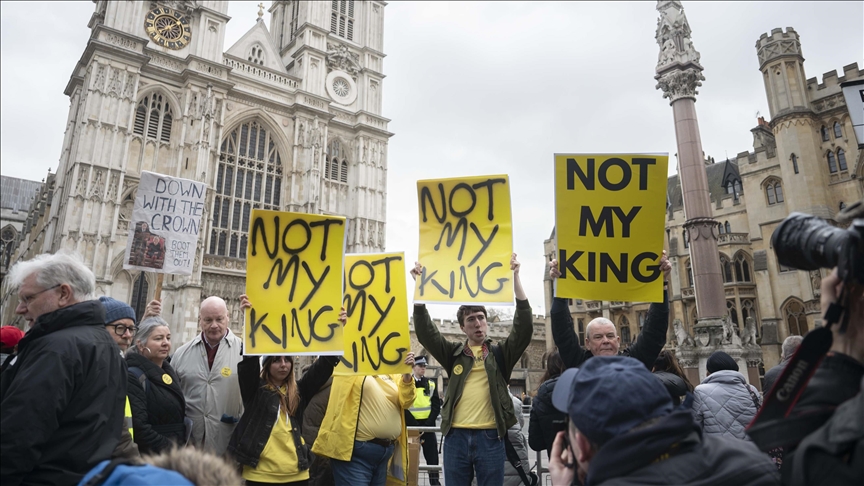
678,70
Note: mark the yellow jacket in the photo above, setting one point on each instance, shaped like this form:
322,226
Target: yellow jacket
338,429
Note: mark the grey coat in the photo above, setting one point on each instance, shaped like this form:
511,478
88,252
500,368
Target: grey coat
723,405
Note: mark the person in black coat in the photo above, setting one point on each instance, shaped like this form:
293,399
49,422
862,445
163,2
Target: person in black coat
155,396
546,421
669,372
601,336
63,396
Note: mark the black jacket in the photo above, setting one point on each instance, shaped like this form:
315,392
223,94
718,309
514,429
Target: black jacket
410,421
674,451
545,421
158,413
675,385
648,345
62,400
772,375
261,408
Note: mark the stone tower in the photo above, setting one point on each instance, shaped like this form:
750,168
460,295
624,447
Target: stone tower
678,75
289,120
792,122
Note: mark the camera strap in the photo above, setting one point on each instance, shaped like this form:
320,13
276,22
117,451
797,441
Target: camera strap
787,390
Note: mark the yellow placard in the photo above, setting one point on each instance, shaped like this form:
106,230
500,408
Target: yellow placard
294,282
466,240
376,334
609,223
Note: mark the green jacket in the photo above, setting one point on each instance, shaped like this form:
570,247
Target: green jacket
450,354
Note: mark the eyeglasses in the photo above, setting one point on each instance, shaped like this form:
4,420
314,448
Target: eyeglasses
29,299
120,329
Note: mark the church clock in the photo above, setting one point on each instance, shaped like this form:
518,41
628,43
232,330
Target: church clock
168,28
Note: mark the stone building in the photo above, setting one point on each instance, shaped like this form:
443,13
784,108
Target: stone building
526,375
16,198
287,118
805,159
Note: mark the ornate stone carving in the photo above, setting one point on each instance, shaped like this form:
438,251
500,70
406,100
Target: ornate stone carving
749,331
81,186
114,82
680,84
97,189
682,337
99,78
113,186
187,6
673,35
339,58
816,282
730,336
129,87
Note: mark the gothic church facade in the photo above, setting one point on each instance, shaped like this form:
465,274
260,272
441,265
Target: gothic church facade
288,118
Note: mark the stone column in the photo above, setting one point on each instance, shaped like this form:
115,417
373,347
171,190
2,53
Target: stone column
678,75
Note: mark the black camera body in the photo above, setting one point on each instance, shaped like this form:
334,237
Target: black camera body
805,242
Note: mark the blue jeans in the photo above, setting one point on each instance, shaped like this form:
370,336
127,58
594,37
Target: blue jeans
473,453
368,465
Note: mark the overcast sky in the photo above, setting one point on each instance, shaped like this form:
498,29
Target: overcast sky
482,88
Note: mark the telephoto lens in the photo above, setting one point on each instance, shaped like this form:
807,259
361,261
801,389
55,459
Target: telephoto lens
806,242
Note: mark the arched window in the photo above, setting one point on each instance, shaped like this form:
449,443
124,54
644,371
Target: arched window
337,169
343,173
728,227
686,241
7,244
334,169
729,188
736,184
249,176
742,268
581,325
825,136
720,228
732,311
256,55
726,266
748,309
139,296
838,131
796,320
841,159
342,18
795,163
642,317
832,163
153,115
774,191
689,274
624,326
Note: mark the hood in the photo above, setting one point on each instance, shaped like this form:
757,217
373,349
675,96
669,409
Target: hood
638,448
725,377
87,313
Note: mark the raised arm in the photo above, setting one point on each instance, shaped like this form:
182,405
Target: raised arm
563,334
652,338
523,323
427,333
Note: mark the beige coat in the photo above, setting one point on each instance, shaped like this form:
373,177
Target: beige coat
212,393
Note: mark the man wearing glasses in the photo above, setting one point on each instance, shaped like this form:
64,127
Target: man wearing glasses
477,409
121,326
62,396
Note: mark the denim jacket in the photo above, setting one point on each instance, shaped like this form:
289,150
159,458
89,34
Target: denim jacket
262,407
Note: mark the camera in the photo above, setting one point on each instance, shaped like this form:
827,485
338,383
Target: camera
806,242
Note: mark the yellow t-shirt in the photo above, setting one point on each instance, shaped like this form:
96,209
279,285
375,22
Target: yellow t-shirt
278,462
380,414
474,408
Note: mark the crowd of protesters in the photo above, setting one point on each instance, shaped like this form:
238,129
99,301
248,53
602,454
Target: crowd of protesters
90,397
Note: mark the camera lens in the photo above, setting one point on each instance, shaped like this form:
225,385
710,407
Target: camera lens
806,242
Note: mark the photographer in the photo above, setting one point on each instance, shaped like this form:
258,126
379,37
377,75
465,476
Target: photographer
831,450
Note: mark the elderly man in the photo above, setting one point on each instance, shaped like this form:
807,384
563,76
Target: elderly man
790,345
601,337
62,397
207,367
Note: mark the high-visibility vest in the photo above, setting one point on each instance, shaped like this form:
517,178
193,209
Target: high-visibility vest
423,402
127,419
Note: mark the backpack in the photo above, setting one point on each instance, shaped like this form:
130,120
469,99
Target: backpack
121,472
528,478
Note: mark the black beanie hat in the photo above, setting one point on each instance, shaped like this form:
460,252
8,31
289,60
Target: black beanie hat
719,361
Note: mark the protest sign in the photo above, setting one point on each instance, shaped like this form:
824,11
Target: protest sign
376,335
609,223
466,241
166,219
294,282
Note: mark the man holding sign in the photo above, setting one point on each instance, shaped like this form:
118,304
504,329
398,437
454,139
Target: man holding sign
477,408
609,212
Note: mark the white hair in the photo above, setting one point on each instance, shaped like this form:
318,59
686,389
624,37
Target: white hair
598,320
145,329
54,270
790,345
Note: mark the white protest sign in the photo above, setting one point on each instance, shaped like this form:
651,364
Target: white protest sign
166,219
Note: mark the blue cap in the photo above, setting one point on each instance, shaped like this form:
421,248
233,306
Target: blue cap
116,310
609,396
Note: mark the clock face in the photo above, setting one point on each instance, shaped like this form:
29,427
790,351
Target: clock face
168,28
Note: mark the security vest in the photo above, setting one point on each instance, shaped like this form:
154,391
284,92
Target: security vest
127,418
423,402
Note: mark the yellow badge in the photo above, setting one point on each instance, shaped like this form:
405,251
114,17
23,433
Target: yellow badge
226,372
457,370
167,379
